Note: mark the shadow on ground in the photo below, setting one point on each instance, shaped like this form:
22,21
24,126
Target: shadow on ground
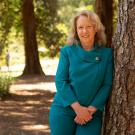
35,79
25,112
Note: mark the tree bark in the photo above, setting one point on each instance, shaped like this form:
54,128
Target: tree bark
120,111
32,64
104,9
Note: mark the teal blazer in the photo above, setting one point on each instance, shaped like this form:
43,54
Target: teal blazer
84,76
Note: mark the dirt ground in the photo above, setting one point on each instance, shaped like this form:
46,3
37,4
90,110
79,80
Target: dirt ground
25,111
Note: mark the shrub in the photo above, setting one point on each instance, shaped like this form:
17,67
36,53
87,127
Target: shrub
5,82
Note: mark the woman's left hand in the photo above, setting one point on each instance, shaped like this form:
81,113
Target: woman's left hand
92,109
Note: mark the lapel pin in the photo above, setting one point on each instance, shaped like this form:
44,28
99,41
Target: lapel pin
97,58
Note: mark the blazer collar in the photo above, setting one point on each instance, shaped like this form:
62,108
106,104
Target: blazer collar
89,56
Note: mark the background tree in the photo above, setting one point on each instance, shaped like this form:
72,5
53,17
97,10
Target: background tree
104,8
120,112
50,28
32,64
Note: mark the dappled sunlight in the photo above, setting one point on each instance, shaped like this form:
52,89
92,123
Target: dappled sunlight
26,110
43,86
49,67
33,83
33,102
50,100
35,127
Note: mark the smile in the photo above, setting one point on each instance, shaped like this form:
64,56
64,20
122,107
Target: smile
85,36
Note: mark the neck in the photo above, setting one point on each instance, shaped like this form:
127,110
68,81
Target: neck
88,47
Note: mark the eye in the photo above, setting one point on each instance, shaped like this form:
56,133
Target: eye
80,27
89,27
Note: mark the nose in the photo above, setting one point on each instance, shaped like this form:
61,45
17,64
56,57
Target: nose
85,30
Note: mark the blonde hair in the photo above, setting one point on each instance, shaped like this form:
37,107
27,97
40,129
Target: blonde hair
100,36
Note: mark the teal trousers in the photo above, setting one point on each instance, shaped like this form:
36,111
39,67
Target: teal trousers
62,122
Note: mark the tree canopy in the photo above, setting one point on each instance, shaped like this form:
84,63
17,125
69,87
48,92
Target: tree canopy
52,20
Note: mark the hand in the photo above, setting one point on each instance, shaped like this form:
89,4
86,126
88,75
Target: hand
83,113
92,109
80,121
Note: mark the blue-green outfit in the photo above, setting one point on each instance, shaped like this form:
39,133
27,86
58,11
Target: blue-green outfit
86,77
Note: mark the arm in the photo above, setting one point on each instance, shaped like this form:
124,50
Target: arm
62,80
103,93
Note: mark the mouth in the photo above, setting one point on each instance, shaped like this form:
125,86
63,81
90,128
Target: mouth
85,36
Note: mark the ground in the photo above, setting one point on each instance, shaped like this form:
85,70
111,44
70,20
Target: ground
25,111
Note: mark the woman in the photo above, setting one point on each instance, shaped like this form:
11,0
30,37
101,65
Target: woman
83,79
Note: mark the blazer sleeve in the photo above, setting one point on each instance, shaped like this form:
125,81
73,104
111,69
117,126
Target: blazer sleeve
64,89
103,93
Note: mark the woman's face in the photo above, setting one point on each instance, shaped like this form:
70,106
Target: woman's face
85,30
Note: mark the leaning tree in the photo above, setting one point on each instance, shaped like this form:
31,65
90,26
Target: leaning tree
120,111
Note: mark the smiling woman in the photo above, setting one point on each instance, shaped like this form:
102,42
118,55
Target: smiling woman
83,79
86,32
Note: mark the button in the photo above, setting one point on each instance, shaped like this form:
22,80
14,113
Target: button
97,58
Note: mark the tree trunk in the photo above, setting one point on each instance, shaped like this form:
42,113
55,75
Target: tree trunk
104,8
120,111
32,64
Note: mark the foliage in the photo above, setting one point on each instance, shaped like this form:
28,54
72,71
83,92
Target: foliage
67,9
47,20
9,17
52,17
5,82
